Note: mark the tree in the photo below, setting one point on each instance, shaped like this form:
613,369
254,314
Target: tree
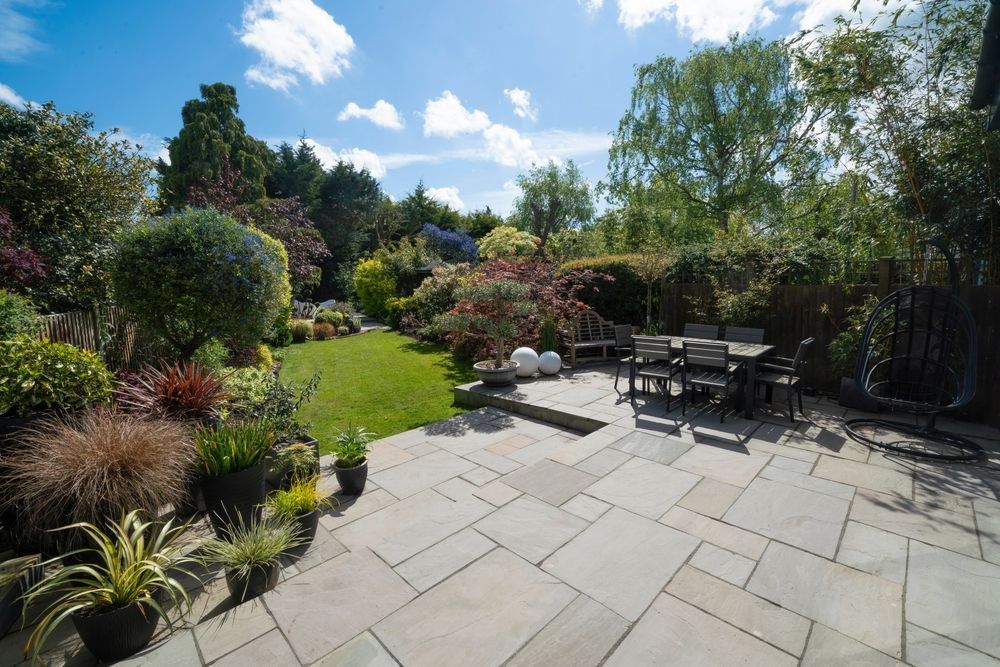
551,200
480,222
418,209
199,275
212,134
726,131
67,190
297,172
506,242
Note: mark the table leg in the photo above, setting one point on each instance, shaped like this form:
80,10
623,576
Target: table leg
748,383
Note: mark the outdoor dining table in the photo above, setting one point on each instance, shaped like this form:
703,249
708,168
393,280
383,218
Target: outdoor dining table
748,353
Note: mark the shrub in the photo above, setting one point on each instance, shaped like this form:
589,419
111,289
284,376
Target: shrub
198,275
374,283
281,332
302,497
351,446
40,375
395,307
246,386
213,355
268,398
619,294
436,293
843,348
297,458
491,309
301,330
180,391
227,448
17,317
343,331
327,316
95,467
252,356
507,242
323,331
455,246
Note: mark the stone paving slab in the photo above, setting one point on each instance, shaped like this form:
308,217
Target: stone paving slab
644,487
362,651
547,480
443,559
920,521
530,528
582,634
710,498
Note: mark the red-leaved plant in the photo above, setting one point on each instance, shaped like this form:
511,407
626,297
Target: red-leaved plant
178,391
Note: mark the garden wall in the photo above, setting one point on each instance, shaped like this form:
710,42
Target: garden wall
795,314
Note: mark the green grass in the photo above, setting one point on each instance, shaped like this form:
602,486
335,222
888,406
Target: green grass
382,380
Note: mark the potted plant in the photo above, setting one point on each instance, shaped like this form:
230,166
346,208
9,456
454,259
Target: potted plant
186,391
232,456
490,309
251,554
350,451
17,575
300,503
292,461
115,596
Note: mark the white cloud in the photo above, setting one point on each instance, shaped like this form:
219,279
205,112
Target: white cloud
447,196
382,114
521,99
399,160
146,143
592,6
447,117
294,38
570,144
361,158
16,39
820,13
701,20
506,146
8,95
500,201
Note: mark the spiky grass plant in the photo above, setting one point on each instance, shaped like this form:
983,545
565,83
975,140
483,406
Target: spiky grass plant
180,391
302,497
351,445
126,563
297,458
231,447
252,545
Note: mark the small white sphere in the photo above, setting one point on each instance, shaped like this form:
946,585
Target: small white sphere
527,361
549,363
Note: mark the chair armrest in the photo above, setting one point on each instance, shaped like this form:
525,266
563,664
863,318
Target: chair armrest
777,361
775,368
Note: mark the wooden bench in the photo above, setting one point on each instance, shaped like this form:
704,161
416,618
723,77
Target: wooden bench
591,331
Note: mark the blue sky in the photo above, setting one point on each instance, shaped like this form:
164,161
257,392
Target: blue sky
464,94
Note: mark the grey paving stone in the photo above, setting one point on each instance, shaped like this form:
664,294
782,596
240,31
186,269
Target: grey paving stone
530,528
538,451
718,533
480,616
920,521
547,480
926,649
950,482
645,487
330,604
480,476
863,475
748,612
401,530
795,465
796,516
349,508
874,551
440,561
420,474
711,498
228,631
723,564
584,448
323,548
988,522
603,462
385,455
422,449
495,462
673,632
952,595
662,449
179,650
362,651
497,493
768,445
828,648
456,489
724,464
586,507
622,560
270,649
808,482
581,634
859,605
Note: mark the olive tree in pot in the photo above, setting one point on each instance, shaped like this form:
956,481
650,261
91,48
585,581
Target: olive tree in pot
490,309
350,464
301,503
251,554
114,596
232,457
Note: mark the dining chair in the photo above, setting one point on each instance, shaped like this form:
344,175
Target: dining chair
623,349
706,331
652,360
744,335
784,372
707,366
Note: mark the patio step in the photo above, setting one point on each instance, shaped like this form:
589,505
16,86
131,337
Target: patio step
512,399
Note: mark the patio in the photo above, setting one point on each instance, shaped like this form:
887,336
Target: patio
612,538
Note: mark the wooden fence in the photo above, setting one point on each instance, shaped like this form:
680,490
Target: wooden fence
799,311
111,332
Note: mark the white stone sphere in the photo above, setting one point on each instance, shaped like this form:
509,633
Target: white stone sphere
549,363
527,361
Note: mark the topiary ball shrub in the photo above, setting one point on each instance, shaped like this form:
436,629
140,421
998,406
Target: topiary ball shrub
198,275
323,331
39,375
17,316
327,316
342,330
374,283
302,330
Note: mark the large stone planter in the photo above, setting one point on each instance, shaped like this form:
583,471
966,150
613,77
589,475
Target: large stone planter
496,377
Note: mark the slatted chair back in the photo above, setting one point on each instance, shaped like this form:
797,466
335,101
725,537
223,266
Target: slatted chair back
706,355
706,331
800,354
651,347
744,335
623,335
590,327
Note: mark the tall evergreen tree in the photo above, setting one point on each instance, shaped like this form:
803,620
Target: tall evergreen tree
297,172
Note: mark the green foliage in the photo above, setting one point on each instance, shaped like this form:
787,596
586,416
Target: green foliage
404,259
253,545
297,458
17,316
351,446
281,330
843,348
418,209
506,242
620,300
39,375
547,340
481,222
489,309
552,200
297,172
68,190
302,497
232,447
343,331
436,293
247,386
301,330
213,355
396,307
374,284
131,561
264,397
327,316
198,275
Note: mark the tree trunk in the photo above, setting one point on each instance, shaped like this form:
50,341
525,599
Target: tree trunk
498,360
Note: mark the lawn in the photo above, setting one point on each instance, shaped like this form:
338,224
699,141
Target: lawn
381,380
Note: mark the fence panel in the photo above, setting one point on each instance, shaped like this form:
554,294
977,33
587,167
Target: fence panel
111,332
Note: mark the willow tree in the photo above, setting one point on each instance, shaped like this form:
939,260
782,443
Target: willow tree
728,130
552,199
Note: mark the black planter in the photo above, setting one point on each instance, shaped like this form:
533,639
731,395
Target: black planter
119,633
352,480
257,582
193,502
307,524
236,494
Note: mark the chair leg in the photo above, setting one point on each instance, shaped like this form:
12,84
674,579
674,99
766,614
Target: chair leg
768,394
791,410
801,411
618,373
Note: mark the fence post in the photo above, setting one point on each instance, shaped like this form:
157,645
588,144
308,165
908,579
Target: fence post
885,270
98,331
